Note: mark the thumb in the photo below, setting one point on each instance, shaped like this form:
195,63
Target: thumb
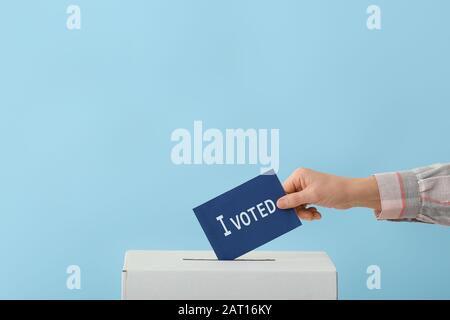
294,200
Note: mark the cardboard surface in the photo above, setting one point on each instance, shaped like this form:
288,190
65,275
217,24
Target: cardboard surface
257,275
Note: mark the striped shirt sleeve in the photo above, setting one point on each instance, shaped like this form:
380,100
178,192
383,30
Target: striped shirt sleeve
421,195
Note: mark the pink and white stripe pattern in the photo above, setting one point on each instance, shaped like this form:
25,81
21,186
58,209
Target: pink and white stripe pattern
421,194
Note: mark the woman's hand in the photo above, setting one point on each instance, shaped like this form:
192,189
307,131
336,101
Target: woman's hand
308,187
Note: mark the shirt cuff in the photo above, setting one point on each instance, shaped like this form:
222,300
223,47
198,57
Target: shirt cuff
399,195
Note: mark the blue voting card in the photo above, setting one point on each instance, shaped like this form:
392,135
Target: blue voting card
246,217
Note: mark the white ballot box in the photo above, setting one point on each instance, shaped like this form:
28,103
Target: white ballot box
256,275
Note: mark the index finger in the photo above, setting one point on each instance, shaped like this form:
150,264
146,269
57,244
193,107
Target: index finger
289,184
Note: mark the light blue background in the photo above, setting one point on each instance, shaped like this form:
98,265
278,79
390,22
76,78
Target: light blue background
86,118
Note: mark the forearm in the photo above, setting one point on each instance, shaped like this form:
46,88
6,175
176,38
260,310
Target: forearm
363,192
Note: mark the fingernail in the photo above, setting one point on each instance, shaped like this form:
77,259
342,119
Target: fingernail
282,203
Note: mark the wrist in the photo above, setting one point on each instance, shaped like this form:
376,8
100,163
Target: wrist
363,192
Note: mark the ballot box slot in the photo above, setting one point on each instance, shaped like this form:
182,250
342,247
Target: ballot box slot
206,259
